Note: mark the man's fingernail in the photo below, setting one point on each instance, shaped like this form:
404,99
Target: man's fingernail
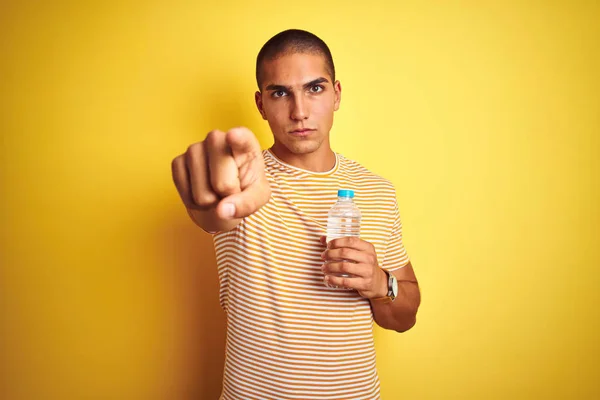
228,210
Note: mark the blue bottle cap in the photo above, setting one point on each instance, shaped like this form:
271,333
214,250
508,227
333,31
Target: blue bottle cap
345,193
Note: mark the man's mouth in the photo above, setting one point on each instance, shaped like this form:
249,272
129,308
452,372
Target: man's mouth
302,132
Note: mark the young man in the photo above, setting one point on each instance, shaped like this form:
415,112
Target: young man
290,333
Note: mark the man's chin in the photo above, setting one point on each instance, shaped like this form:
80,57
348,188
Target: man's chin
306,147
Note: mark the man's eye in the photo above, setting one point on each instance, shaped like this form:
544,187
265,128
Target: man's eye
279,93
316,89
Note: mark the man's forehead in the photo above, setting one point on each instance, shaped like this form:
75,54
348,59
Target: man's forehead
294,69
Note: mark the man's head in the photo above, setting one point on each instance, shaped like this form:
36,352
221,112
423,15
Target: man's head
297,90
290,42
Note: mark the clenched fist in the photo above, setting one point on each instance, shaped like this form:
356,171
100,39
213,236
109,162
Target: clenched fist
224,174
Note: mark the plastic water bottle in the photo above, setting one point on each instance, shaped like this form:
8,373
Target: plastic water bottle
343,218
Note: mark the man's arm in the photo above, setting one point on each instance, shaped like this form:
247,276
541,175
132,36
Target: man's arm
400,314
357,258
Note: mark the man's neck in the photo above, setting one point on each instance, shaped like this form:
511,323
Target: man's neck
322,160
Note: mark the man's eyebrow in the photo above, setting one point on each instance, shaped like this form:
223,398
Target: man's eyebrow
289,88
315,82
277,87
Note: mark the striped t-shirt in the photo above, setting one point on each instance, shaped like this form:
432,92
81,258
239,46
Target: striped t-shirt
288,335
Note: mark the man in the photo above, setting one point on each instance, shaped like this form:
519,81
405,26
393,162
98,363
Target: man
290,333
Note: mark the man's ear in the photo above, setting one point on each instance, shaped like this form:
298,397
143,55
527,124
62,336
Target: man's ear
259,104
337,87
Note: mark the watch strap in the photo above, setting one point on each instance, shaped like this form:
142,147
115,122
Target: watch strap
386,298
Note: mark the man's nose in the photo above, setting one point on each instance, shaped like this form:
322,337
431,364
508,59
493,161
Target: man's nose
299,108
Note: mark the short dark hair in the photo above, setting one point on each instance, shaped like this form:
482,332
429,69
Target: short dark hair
293,41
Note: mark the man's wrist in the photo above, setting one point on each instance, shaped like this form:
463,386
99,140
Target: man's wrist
383,289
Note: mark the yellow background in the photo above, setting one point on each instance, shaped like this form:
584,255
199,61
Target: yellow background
485,115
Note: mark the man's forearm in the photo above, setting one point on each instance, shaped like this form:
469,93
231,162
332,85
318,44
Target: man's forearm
401,314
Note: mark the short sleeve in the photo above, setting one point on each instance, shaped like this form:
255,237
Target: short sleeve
395,255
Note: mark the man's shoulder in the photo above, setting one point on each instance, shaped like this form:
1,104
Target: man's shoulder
362,174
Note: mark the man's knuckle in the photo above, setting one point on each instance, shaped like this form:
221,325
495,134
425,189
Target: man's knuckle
192,148
224,186
204,199
176,162
213,137
238,129
197,199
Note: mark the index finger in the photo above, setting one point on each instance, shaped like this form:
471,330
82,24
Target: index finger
242,141
223,171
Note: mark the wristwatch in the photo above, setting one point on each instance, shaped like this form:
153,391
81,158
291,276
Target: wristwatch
392,288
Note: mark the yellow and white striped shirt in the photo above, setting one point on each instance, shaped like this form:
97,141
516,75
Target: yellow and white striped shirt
288,335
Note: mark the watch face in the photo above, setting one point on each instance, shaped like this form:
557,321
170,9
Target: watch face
394,286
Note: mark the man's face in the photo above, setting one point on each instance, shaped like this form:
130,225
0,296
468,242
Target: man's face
298,99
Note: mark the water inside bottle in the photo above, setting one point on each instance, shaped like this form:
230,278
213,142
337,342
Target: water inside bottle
342,226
